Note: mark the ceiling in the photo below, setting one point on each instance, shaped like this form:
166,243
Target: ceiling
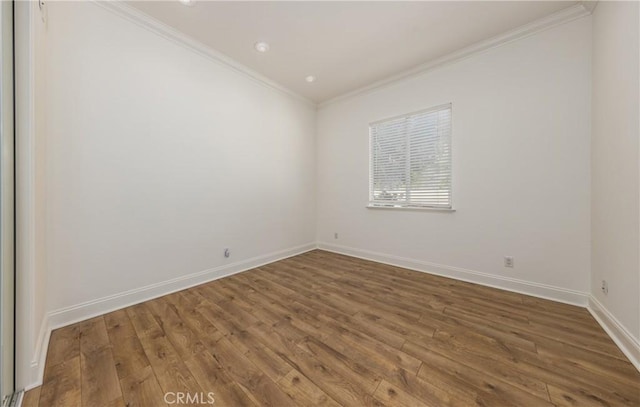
345,45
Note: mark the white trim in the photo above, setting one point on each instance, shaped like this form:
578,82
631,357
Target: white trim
36,367
410,208
589,5
628,344
69,315
26,16
545,291
20,398
443,106
177,37
79,312
143,20
561,17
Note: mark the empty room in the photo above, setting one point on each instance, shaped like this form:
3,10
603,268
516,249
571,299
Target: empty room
304,203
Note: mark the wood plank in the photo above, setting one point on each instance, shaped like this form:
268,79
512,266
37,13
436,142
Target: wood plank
119,325
129,356
221,319
183,339
213,378
262,389
498,369
61,385
141,389
143,321
100,385
564,397
346,367
93,335
64,345
264,358
31,398
448,374
303,391
591,343
320,372
186,306
559,371
328,329
367,344
171,372
394,396
177,378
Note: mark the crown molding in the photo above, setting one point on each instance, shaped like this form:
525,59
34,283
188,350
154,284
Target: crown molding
576,11
589,5
177,37
118,7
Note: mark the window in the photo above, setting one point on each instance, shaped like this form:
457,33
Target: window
410,163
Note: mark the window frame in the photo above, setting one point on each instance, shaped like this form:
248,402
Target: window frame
413,207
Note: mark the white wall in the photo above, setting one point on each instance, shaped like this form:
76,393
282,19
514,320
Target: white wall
615,183
150,159
520,166
158,158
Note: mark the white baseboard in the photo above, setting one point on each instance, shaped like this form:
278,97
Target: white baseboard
628,344
36,367
511,284
69,315
76,313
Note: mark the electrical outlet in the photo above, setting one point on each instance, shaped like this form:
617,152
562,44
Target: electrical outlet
227,252
508,261
605,287
335,235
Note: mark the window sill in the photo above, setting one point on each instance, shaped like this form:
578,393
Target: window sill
411,208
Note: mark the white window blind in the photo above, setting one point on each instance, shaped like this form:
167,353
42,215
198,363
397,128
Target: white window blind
411,160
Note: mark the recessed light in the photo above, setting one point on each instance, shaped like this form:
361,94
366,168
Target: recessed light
187,2
310,78
261,47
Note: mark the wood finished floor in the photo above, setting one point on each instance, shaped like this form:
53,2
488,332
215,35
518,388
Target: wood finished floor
326,329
